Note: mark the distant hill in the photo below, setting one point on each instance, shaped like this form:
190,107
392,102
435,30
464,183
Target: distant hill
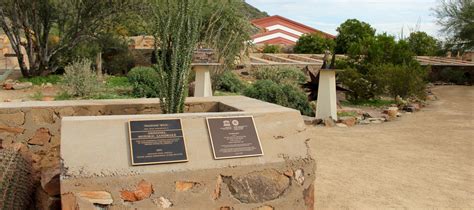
252,12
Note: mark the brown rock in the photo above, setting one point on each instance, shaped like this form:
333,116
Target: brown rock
308,195
128,196
392,112
182,186
42,116
144,190
41,137
50,180
8,86
257,187
13,119
217,191
349,121
11,130
226,208
44,201
96,197
289,173
68,202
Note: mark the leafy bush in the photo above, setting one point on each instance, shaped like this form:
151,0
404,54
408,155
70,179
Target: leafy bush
271,49
314,44
450,75
403,80
229,82
280,75
79,79
283,94
144,82
362,86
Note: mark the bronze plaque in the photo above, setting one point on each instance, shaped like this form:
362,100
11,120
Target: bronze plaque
234,137
157,141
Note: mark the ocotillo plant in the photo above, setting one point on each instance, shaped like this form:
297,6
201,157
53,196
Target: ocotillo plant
177,29
15,180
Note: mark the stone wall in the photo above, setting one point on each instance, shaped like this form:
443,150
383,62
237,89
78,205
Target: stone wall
97,170
37,127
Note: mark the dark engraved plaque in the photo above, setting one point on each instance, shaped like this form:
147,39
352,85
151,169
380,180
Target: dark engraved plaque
234,137
157,141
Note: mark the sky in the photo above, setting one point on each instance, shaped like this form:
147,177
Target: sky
384,15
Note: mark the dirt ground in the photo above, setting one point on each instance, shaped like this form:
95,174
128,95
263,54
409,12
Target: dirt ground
424,160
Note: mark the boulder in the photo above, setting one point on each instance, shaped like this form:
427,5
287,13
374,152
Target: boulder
23,85
392,112
50,180
329,122
349,121
182,186
257,187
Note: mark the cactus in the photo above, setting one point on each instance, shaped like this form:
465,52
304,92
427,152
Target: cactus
16,184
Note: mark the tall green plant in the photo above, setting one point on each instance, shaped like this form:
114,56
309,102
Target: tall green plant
177,30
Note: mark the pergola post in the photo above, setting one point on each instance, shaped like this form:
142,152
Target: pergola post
327,98
203,85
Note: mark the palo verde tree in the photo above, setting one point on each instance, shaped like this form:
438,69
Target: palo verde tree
183,26
457,19
47,28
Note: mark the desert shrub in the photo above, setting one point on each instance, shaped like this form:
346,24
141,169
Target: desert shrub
314,44
450,75
279,75
229,82
79,79
362,86
282,94
144,82
403,80
271,49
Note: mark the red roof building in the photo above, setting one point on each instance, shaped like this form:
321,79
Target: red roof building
277,30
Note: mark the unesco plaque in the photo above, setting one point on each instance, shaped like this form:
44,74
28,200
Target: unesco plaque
157,141
234,137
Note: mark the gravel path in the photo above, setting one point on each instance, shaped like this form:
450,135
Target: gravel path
423,160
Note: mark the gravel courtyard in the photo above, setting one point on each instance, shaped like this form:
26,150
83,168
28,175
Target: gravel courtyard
423,160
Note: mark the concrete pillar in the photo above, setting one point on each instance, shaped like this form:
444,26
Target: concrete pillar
327,98
203,86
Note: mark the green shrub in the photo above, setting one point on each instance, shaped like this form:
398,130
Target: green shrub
280,75
282,94
271,49
363,87
144,82
229,82
403,80
450,75
314,44
39,80
79,79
